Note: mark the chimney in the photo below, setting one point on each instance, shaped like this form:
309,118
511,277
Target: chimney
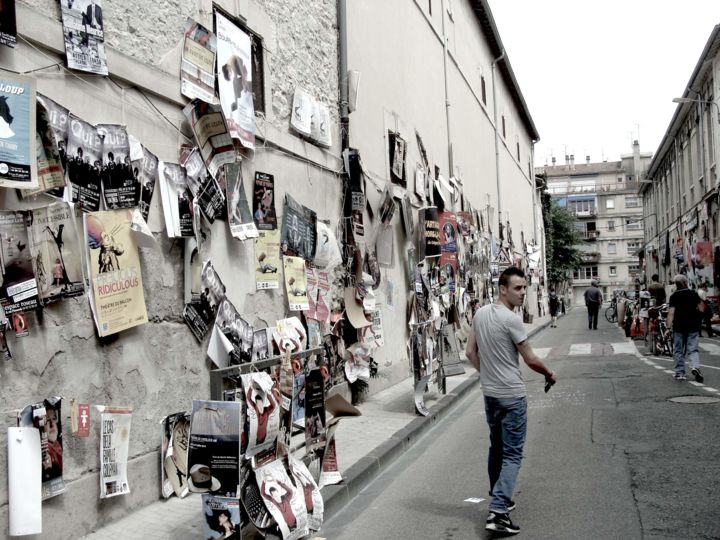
567,161
572,161
587,160
636,160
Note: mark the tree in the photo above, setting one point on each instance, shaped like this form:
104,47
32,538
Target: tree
561,239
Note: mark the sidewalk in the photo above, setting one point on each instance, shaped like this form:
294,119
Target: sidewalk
366,445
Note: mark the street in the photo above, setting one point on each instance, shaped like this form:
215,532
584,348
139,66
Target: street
607,454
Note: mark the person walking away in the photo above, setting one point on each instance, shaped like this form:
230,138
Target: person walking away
657,290
684,319
705,310
593,301
499,333
553,303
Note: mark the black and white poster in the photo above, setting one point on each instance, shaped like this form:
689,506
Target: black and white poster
197,71
50,172
314,409
18,158
429,223
234,66
211,133
298,237
84,164
176,200
120,184
58,117
19,290
239,217
146,164
264,201
199,314
8,25
84,35
203,186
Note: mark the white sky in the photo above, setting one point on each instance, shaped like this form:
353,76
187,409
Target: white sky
597,74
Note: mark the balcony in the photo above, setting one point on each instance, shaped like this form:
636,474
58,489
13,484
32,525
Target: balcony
586,213
591,236
590,257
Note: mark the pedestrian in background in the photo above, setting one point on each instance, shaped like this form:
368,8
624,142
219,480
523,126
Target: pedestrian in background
657,290
553,303
705,310
684,319
499,333
593,301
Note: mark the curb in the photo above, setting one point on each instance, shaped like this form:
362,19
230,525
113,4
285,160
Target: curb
364,471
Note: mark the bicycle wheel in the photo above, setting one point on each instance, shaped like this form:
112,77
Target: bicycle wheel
611,315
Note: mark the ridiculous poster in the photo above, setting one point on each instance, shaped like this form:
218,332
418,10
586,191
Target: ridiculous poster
46,417
296,283
118,300
285,502
84,35
121,187
114,443
84,155
264,202
267,260
19,291
234,67
239,216
197,68
56,252
208,126
18,155
214,450
298,237
263,412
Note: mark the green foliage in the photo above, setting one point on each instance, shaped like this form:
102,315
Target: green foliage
561,238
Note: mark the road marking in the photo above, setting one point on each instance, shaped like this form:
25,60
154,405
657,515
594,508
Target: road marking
695,383
580,349
658,367
710,347
542,353
671,360
474,500
624,347
669,371
711,389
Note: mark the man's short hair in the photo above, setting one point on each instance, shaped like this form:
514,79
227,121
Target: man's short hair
655,277
681,281
507,273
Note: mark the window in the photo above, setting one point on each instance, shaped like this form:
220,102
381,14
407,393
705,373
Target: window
611,225
632,247
633,270
612,248
482,90
620,178
257,60
613,271
609,204
632,224
580,207
632,201
503,126
585,272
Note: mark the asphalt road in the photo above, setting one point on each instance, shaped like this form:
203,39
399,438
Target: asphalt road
607,454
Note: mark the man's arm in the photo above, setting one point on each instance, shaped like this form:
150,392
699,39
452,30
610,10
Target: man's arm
471,350
534,362
670,317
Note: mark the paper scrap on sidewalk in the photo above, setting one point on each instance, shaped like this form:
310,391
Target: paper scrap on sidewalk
474,500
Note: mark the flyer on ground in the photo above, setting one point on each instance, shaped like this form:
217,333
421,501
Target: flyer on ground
118,300
18,156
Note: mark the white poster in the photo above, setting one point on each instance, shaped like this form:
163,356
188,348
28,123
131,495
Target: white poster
114,443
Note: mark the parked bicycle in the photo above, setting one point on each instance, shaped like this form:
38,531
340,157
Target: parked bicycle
660,340
611,313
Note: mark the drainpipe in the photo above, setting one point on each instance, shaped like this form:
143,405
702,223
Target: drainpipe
497,136
447,96
534,189
343,75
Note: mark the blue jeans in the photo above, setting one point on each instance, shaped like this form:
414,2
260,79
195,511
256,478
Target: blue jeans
681,341
507,420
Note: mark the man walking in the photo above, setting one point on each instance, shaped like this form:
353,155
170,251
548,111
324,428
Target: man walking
593,301
657,290
684,319
499,333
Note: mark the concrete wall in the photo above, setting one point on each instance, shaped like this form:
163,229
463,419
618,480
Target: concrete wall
158,368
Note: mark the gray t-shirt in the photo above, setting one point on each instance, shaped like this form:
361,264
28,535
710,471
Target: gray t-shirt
497,331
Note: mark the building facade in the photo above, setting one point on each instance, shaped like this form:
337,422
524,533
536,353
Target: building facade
429,70
604,199
680,197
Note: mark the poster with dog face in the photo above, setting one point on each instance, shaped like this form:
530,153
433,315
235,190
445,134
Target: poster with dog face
235,80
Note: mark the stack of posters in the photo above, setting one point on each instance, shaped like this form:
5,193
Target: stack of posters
51,175
114,445
47,418
199,314
214,448
197,70
205,190
314,504
285,501
84,36
18,156
116,294
145,167
234,66
19,291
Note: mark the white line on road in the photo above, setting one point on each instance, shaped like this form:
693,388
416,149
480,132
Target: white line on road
710,347
669,371
580,349
658,367
711,389
542,353
671,360
695,383
624,347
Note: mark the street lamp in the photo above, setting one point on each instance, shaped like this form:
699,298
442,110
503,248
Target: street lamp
691,100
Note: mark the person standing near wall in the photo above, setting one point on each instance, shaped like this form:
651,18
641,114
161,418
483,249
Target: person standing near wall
499,333
684,319
593,301
553,303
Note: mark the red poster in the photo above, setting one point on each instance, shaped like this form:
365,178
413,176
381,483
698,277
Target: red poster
83,420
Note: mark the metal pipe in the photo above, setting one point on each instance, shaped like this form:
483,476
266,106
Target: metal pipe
497,137
343,75
451,169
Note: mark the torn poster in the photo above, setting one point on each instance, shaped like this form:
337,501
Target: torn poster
197,71
18,155
84,36
199,314
203,187
234,64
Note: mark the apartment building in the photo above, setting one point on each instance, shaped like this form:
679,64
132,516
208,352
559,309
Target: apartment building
604,199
